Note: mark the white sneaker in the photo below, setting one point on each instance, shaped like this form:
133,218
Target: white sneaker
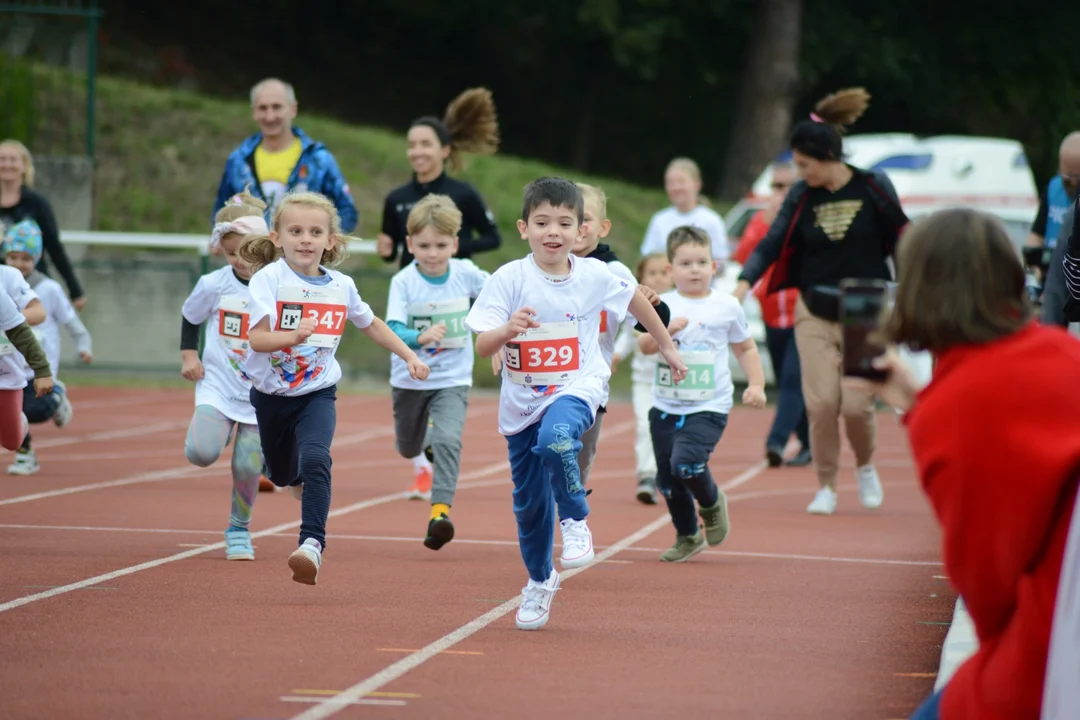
63,414
25,464
305,563
824,502
535,608
577,548
870,491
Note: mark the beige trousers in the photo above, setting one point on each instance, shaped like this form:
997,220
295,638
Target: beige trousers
820,361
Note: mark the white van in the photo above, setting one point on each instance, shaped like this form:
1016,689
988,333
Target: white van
930,173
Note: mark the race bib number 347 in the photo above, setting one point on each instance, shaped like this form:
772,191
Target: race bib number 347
325,305
547,355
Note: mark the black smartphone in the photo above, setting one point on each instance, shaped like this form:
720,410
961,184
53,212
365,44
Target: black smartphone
861,305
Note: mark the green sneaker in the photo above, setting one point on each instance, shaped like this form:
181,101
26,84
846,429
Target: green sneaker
685,547
717,524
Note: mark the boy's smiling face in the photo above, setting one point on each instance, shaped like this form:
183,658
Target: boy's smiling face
551,232
21,261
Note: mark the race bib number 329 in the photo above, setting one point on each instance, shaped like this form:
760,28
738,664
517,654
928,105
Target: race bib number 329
325,305
547,355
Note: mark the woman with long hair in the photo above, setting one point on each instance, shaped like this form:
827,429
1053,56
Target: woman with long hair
837,222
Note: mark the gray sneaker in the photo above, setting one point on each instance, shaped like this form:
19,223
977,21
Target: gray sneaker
646,491
717,524
685,547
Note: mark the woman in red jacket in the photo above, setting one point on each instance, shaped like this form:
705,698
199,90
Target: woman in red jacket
996,440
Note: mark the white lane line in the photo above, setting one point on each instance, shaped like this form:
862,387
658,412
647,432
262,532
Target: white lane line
172,473
110,434
331,706
97,580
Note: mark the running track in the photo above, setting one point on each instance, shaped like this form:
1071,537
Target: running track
116,601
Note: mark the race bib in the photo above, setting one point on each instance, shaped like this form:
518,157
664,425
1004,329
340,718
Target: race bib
6,348
547,355
699,383
325,305
423,315
234,322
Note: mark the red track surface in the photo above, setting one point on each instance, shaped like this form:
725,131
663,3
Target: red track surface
795,617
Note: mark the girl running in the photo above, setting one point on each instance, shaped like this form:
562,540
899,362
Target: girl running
22,248
297,315
222,387
469,125
653,272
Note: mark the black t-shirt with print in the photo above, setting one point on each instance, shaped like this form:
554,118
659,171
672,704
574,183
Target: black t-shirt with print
841,237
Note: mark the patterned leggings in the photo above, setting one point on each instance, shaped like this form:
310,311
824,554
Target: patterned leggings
207,437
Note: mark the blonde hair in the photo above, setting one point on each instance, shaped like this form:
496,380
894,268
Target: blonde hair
258,251
437,211
686,235
639,269
597,195
28,160
243,204
691,168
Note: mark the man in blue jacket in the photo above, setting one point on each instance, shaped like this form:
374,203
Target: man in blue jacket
280,157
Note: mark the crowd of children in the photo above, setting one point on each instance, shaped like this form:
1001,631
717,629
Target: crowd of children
554,323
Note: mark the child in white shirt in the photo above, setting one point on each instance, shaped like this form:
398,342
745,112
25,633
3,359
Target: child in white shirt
428,301
223,410
298,311
653,272
20,309
543,314
687,421
22,249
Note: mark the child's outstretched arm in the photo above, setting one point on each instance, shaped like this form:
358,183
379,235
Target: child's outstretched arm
746,353
642,309
192,367
81,337
24,340
490,342
383,336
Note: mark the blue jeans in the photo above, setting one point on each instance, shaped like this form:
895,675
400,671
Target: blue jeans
295,434
790,407
546,476
929,710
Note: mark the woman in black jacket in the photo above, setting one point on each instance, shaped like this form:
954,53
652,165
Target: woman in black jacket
18,202
469,126
837,222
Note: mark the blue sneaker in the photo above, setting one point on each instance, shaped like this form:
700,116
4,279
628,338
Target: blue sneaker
238,545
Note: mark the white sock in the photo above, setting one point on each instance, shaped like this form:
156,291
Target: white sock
420,463
314,543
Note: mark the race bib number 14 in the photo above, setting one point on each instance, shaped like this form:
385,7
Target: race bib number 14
547,355
325,305
700,381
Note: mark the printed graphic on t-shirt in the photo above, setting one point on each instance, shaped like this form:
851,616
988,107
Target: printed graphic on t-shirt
835,218
233,326
273,191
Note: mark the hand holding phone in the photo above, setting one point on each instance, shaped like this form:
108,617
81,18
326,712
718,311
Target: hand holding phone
862,303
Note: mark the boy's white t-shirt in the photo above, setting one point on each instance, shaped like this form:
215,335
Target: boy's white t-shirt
59,311
17,294
578,298
666,220
715,322
417,303
609,331
224,303
281,294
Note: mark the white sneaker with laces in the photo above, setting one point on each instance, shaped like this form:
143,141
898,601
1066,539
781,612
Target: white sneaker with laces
870,491
824,502
535,608
305,562
577,547
25,464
